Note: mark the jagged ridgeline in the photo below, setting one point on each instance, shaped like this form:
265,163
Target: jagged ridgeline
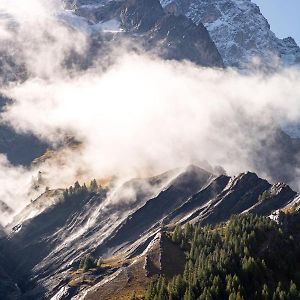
250,257
94,241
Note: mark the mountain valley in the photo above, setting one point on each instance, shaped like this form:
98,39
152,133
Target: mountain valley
221,226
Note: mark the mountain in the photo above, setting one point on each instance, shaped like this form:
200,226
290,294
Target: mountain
107,25
8,287
249,257
121,224
239,30
185,233
175,32
20,148
168,36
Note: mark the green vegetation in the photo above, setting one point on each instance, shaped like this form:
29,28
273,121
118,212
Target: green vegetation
93,186
81,191
250,257
87,262
88,273
266,195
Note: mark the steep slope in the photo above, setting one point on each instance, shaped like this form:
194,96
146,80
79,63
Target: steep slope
279,164
121,223
150,28
19,148
249,257
51,240
154,210
161,257
244,193
106,25
258,253
9,289
239,31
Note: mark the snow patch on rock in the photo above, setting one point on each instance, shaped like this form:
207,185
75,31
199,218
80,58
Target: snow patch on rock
241,33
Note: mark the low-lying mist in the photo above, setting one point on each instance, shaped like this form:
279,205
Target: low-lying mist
137,117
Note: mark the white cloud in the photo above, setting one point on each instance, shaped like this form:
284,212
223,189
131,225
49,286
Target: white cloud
139,116
146,113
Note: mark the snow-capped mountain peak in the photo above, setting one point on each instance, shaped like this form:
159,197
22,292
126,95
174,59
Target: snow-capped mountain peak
240,31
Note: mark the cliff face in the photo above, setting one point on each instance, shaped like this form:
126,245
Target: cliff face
239,30
151,28
48,245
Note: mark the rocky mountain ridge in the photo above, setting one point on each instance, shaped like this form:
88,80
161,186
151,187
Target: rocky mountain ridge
126,225
47,247
242,34
168,36
239,30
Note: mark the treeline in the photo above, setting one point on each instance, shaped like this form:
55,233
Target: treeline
250,257
82,190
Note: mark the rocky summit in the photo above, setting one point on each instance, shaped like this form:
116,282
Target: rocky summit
239,30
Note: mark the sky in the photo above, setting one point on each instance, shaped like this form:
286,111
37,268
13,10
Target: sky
283,16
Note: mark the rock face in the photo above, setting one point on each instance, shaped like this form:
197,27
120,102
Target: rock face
144,23
105,23
149,27
279,165
9,289
124,223
239,31
135,15
48,238
161,257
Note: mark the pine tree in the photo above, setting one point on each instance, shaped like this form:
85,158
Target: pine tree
86,263
265,292
223,262
77,187
66,193
293,291
94,186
